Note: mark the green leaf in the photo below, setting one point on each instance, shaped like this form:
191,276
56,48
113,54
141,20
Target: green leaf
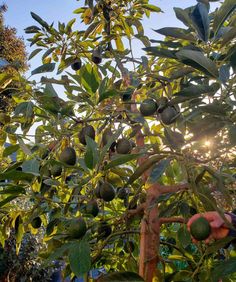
25,108
159,52
201,20
69,26
183,16
24,147
152,8
197,60
107,94
48,52
13,190
39,20
222,14
34,53
49,90
214,247
228,36
89,77
9,150
175,139
79,257
79,10
3,138
175,32
44,68
192,92
31,166
58,253
91,155
223,268
143,167
158,170
122,276
7,200
184,236
119,160
16,175
91,28
32,29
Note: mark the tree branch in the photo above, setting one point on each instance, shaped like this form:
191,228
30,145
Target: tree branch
172,219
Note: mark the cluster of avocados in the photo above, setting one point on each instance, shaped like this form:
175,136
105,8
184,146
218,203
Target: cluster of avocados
96,59
122,146
168,114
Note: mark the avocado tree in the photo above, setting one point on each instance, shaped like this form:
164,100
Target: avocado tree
13,59
126,149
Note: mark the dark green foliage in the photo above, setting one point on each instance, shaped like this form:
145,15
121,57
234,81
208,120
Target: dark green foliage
129,246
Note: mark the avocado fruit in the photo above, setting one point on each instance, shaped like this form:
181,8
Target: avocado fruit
92,208
77,228
169,115
122,193
200,229
148,107
104,229
123,146
86,130
68,156
107,135
76,65
107,192
96,57
36,222
56,170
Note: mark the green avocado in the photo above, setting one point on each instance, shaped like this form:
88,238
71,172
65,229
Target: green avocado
68,156
77,228
36,222
86,130
92,208
56,170
200,229
169,115
148,107
107,192
123,146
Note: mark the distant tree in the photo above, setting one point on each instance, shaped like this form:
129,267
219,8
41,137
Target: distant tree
12,49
